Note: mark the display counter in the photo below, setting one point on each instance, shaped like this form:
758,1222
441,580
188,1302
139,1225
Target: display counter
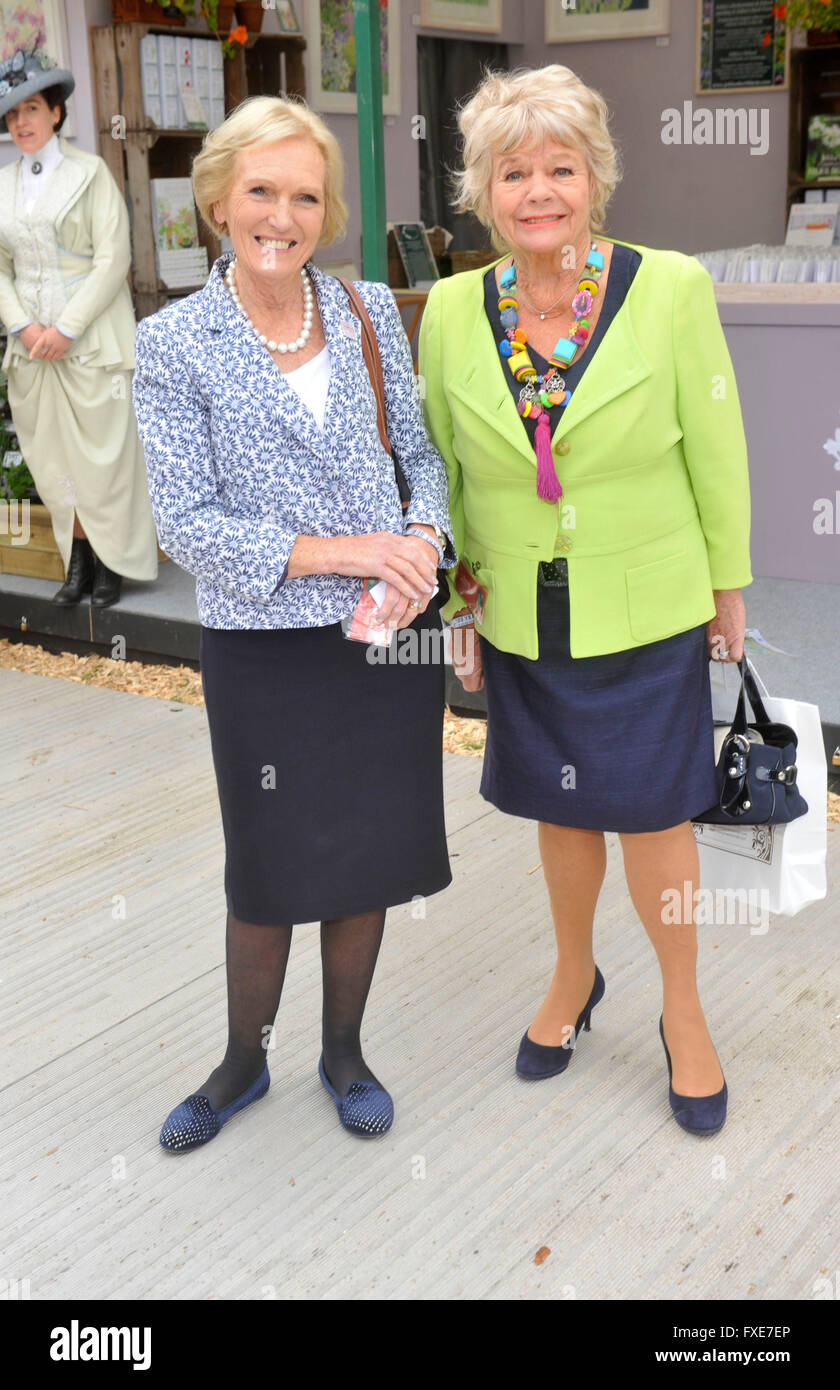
784,341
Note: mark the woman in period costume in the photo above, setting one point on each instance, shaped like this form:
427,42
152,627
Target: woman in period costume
65,302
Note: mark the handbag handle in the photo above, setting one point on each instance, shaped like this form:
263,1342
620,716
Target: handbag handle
748,686
373,362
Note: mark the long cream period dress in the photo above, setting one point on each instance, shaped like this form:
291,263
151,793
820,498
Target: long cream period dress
65,261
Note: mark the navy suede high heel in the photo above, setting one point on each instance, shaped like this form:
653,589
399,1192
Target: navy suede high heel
536,1061
195,1122
696,1114
366,1109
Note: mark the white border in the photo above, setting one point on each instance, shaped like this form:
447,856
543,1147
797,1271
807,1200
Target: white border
565,26
345,102
451,14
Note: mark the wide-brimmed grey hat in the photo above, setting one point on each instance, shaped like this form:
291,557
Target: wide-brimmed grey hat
26,73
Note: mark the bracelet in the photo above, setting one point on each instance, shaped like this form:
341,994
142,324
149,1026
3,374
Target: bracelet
415,531
462,620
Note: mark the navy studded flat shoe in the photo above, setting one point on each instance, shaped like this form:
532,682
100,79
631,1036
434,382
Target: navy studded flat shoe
697,1114
366,1109
194,1121
535,1061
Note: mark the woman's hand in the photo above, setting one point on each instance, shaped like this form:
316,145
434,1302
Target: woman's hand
406,563
466,657
29,336
50,344
725,631
397,607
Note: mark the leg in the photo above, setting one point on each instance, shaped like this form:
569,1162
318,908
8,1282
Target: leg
657,863
349,951
256,968
574,862
78,528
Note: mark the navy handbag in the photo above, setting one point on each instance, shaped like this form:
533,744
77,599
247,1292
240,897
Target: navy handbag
756,769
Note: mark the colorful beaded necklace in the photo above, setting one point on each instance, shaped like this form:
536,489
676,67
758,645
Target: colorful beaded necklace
540,392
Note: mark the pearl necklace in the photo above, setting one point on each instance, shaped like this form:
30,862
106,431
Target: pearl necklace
308,299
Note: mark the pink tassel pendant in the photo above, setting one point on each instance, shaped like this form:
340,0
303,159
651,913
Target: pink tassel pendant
548,484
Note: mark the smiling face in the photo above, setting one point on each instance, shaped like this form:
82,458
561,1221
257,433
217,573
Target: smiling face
31,122
540,197
275,207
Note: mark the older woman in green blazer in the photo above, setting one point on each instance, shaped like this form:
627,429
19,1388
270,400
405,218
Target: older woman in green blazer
581,393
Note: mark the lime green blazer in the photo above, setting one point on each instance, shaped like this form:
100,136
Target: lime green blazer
650,451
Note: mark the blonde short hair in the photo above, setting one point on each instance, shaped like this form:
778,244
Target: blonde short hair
509,110
262,120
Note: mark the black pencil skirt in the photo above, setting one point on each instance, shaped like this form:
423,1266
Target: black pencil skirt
329,769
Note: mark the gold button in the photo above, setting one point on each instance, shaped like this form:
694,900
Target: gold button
561,447
563,544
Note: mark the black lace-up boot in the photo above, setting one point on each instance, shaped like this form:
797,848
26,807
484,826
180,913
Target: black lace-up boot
79,573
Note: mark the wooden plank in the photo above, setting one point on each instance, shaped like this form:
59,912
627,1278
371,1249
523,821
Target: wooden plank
236,81
295,72
39,557
146,291
103,61
128,53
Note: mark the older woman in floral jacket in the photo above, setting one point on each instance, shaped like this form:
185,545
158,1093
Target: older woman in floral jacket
269,483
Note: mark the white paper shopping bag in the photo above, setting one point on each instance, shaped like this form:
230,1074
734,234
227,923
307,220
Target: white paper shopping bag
787,861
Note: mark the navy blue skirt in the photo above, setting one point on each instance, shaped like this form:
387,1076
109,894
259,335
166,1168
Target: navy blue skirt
620,742
352,819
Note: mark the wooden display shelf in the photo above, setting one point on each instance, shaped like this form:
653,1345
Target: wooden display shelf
777,292
145,151
814,89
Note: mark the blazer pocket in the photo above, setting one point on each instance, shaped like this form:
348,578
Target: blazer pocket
661,597
481,604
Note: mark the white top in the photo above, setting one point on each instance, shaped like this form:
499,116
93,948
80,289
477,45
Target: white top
48,157
311,381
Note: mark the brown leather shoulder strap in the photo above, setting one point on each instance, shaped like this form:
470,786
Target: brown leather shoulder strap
370,348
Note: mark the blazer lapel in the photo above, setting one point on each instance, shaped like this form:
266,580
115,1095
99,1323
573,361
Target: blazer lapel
484,389
618,363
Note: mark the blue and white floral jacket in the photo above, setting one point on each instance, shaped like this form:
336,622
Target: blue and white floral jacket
238,467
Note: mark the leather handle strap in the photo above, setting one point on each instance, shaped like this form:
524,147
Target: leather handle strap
373,361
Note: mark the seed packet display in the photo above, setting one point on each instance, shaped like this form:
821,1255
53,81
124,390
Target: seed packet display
361,626
473,593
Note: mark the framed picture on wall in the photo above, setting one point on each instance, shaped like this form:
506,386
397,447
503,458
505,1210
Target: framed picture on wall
742,46
287,20
39,24
330,56
483,16
605,19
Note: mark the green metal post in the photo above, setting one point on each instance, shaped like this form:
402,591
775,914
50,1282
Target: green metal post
371,140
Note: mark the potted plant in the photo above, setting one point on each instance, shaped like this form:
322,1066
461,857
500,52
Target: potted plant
250,13
821,19
219,15
173,8
152,11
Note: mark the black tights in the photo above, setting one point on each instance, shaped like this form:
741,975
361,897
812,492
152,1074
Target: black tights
256,959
